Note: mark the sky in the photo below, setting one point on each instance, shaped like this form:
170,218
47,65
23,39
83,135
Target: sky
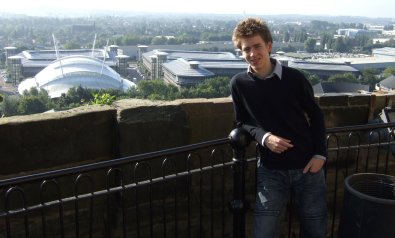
367,8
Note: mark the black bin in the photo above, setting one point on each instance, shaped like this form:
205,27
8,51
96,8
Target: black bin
369,207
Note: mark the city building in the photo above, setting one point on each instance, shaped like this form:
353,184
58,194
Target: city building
324,70
352,33
33,61
339,87
186,68
74,71
387,84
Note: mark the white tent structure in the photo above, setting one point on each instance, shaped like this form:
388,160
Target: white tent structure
73,71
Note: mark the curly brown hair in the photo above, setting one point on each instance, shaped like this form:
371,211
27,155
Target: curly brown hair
251,27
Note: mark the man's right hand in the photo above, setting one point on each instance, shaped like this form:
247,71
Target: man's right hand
277,144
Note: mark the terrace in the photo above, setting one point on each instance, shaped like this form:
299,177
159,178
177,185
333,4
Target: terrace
163,169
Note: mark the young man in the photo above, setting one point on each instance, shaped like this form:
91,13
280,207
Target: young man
276,105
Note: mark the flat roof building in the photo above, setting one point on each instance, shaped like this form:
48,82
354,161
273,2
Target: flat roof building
187,68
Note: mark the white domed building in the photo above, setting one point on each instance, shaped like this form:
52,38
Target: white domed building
73,71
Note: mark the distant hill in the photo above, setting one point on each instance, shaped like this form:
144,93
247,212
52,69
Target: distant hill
330,18
277,17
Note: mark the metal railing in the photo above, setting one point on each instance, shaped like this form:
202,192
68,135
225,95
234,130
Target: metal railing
199,190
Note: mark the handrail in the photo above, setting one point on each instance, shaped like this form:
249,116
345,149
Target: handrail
238,139
114,162
166,152
360,127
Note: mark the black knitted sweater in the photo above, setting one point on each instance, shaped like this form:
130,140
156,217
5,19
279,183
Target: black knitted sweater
285,107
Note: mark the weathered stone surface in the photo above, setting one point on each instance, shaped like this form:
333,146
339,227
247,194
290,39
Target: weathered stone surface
359,100
333,100
62,139
47,140
134,126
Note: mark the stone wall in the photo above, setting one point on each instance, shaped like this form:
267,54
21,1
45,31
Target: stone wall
132,126
48,141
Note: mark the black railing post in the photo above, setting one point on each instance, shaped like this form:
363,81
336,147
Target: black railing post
239,140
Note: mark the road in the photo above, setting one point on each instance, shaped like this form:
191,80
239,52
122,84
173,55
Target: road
7,88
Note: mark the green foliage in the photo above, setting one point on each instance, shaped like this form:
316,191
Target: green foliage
370,77
34,101
159,90
103,98
288,48
71,45
9,106
312,78
389,71
346,77
30,105
341,45
210,88
309,45
155,90
75,96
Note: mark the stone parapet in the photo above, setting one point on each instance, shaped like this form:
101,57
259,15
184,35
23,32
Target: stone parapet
133,126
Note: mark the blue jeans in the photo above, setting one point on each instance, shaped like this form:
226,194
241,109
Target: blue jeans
273,188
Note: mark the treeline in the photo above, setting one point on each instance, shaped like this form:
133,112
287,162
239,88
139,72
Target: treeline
29,33
35,101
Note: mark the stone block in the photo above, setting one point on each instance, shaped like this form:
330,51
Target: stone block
332,100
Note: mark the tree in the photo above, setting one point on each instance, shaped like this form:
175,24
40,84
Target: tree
309,45
34,101
340,45
300,36
326,39
346,77
287,36
155,90
159,40
370,77
389,71
9,106
209,88
71,45
312,78
31,104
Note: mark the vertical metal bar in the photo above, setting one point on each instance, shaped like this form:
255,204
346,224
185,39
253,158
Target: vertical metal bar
164,194
200,197
137,203
368,153
378,153
175,204
25,209
328,138
137,179
189,190
114,202
164,163
90,216
239,140
223,195
390,137
151,219
43,220
60,207
212,195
